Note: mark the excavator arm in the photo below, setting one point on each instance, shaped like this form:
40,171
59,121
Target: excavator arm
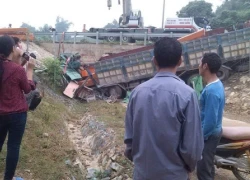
128,18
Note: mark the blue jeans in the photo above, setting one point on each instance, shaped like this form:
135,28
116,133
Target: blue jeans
14,126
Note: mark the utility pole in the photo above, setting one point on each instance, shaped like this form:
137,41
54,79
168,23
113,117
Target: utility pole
163,14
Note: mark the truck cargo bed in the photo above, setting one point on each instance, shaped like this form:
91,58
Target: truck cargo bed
137,64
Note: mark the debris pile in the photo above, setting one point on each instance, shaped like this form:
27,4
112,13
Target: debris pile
238,96
96,149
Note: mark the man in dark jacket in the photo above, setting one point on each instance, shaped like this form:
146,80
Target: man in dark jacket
163,133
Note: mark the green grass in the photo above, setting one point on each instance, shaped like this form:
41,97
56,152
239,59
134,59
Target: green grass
44,158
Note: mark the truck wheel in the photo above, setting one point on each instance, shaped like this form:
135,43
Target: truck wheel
223,74
154,39
116,92
132,40
125,39
111,39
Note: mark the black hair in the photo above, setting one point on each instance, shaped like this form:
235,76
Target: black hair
213,61
6,48
167,52
17,40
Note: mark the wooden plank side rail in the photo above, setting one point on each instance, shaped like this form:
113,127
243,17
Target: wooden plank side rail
21,33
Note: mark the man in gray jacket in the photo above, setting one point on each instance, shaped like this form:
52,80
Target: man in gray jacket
163,133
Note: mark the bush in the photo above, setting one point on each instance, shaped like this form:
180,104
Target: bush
54,70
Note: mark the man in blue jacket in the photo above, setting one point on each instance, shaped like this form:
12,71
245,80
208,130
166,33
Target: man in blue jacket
212,104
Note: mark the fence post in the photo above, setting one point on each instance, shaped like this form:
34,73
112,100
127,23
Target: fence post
54,37
121,35
27,41
54,42
75,37
97,37
249,58
145,38
75,40
54,79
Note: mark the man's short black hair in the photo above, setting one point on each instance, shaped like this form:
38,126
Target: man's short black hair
167,52
213,61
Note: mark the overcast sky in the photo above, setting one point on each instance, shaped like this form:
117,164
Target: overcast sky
93,13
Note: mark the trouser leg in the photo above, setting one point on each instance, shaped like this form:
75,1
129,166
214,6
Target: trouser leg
205,167
16,130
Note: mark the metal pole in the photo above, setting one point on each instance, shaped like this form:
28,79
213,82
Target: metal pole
75,37
145,38
249,58
121,38
54,77
97,37
54,43
27,41
124,4
75,40
163,14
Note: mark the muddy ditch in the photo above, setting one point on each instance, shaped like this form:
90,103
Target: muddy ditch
99,157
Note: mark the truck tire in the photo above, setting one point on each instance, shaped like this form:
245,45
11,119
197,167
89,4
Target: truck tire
132,40
155,39
223,74
125,39
111,39
116,91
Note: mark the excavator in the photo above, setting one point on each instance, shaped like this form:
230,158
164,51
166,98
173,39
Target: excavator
129,22
132,22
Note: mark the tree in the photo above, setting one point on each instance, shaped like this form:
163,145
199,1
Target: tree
44,28
62,25
231,13
197,8
114,24
31,28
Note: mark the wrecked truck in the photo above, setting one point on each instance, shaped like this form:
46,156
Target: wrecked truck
115,74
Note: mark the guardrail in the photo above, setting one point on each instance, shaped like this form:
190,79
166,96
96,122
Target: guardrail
97,36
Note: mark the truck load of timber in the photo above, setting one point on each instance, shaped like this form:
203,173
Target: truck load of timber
22,33
115,74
